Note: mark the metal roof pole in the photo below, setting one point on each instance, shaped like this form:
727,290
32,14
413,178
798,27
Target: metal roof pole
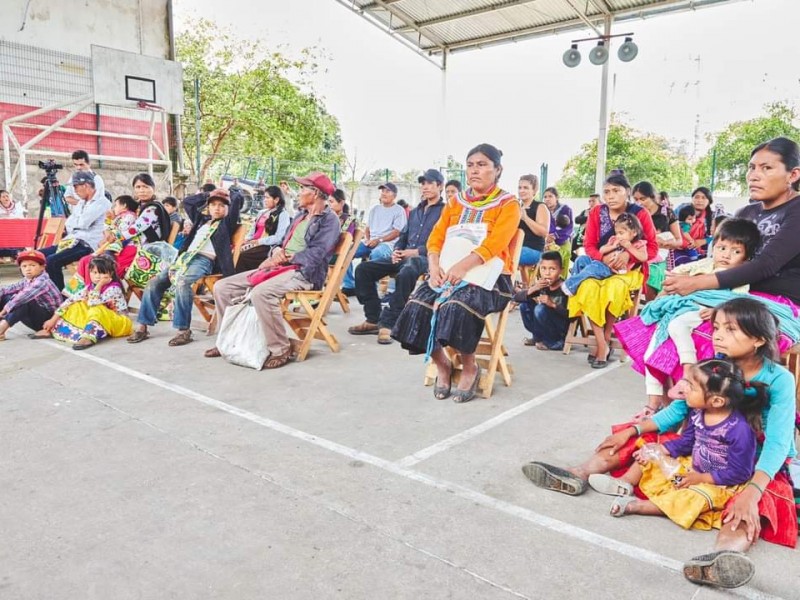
602,135
445,131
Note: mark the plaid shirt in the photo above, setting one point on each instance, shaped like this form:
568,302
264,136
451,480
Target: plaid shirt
40,289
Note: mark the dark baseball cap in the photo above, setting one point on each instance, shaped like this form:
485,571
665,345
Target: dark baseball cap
79,177
318,180
389,186
433,175
221,195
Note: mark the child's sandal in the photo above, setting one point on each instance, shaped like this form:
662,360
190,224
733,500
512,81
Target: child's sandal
610,486
83,344
621,504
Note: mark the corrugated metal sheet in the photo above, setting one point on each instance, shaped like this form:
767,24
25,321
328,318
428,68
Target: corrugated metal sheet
434,26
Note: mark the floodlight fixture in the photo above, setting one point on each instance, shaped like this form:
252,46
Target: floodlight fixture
599,54
628,51
572,58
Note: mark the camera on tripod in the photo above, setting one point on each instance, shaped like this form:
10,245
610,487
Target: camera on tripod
50,166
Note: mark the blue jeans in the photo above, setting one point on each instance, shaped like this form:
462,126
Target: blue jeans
586,269
529,257
381,252
545,324
198,267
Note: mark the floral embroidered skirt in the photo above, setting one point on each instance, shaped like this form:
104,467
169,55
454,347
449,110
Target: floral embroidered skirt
95,323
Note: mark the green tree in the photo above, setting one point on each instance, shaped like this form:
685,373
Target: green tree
253,102
735,143
643,156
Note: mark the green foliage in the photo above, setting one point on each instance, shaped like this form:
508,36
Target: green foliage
643,156
252,102
735,143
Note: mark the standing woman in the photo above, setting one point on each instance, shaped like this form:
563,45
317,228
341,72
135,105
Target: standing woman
603,301
703,202
534,220
491,216
665,221
152,221
267,230
561,225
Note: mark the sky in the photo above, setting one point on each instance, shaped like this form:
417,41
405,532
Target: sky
695,73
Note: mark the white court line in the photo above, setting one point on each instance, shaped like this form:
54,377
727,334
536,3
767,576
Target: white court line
583,535
468,434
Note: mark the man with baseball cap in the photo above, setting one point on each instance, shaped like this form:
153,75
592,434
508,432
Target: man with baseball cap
33,299
206,250
299,263
84,226
384,224
409,261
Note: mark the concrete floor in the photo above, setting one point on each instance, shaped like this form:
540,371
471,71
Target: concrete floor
151,472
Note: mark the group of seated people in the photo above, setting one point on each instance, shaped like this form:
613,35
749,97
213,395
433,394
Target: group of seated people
733,308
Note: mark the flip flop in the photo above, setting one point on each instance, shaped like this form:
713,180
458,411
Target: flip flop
610,486
620,503
462,396
554,478
34,336
726,569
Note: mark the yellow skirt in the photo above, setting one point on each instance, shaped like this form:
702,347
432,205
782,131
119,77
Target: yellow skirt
696,507
79,315
596,296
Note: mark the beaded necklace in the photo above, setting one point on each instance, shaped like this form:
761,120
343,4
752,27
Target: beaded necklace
475,205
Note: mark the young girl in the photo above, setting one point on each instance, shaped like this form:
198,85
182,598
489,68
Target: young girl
96,311
628,237
687,252
121,216
736,242
716,452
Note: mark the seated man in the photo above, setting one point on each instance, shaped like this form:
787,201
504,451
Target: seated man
409,261
85,227
385,222
299,263
206,250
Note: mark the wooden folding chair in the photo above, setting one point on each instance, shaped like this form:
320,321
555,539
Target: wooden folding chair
52,231
205,302
792,362
491,353
309,324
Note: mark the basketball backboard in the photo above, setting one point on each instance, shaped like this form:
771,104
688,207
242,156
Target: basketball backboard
128,79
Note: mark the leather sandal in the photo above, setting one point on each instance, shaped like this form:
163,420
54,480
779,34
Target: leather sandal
725,569
461,396
138,336
276,362
550,477
183,338
212,353
83,344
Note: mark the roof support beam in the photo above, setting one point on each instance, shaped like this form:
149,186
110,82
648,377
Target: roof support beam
387,6
583,17
465,14
602,6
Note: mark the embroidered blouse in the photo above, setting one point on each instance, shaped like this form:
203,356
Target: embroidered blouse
111,296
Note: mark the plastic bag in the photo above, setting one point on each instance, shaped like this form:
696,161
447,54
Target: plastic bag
240,339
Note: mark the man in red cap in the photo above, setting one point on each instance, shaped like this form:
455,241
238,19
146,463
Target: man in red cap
33,299
299,263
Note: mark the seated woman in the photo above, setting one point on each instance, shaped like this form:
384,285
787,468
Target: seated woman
490,216
534,220
561,226
10,209
338,204
668,234
745,332
151,225
267,230
604,301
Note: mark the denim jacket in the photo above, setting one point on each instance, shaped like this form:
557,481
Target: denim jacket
321,238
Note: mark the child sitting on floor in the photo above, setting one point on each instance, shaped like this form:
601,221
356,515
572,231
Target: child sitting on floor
31,300
735,242
543,306
716,453
96,311
628,237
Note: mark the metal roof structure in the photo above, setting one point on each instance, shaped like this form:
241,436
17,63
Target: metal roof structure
436,28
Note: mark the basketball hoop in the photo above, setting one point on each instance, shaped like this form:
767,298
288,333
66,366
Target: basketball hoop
148,106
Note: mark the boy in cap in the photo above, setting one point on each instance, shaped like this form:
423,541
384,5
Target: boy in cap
384,224
206,250
31,300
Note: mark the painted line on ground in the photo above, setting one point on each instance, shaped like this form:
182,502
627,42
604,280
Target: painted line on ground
578,533
468,434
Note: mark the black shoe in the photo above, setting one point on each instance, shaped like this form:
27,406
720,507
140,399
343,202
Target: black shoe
349,292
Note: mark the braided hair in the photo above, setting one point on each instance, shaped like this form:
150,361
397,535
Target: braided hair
724,378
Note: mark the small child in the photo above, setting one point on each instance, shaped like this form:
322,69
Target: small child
96,311
736,241
543,306
171,206
628,237
716,452
31,300
206,250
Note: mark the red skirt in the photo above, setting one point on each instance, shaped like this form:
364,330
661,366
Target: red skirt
778,512
625,453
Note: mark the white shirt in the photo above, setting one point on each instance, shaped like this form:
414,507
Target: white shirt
207,249
87,221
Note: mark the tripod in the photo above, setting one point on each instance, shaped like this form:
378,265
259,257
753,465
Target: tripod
53,197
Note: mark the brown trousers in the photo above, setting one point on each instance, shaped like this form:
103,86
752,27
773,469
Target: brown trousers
266,298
